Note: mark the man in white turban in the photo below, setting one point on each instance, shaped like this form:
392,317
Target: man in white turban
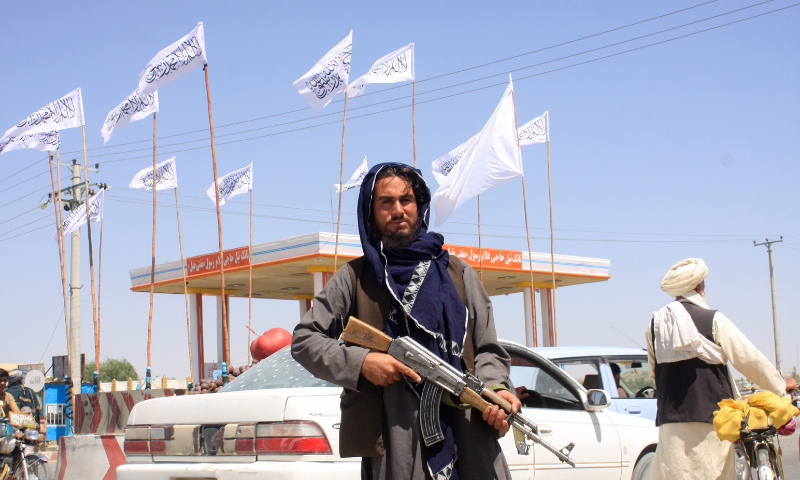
689,347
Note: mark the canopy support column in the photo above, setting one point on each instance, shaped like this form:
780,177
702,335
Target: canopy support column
546,302
530,326
196,328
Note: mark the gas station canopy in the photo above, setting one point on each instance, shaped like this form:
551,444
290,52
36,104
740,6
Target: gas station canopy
284,269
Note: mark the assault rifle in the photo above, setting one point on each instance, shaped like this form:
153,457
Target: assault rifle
439,375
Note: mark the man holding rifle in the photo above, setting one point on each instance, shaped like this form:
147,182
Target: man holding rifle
407,285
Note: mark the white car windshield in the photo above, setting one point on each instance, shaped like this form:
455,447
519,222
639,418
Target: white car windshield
279,370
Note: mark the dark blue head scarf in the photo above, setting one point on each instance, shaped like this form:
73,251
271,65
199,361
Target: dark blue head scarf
437,317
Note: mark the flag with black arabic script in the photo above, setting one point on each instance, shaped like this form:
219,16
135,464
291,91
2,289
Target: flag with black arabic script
328,76
486,160
166,177
77,217
450,162
169,64
38,141
134,107
397,66
234,183
66,112
535,131
357,179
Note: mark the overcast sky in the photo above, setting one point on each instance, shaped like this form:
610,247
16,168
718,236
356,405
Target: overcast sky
684,149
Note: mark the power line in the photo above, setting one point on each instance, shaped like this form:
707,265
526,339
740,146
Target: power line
426,79
24,233
446,87
20,171
470,234
20,197
58,322
337,113
738,237
21,214
451,95
22,226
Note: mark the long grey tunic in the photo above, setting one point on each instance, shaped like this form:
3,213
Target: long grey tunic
315,345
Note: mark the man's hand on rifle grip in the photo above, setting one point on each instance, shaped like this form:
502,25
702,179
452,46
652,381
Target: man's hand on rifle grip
496,416
383,369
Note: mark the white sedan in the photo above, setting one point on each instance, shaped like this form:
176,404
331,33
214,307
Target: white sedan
279,421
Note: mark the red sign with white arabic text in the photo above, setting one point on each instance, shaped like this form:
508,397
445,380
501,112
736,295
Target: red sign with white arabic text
237,257
492,257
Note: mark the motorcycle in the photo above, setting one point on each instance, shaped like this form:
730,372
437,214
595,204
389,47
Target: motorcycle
18,457
758,448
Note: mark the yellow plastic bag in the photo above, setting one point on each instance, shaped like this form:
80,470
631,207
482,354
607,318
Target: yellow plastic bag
728,419
780,409
758,418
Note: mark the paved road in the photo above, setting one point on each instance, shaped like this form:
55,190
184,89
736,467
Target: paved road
791,457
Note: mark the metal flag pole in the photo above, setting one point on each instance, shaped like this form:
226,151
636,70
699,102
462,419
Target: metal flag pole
99,287
63,254
527,230
226,347
554,330
414,126
91,255
341,184
250,281
57,207
480,249
152,261
185,287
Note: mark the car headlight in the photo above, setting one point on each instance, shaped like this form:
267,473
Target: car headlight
31,435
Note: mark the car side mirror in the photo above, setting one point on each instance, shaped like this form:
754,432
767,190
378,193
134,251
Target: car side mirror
597,400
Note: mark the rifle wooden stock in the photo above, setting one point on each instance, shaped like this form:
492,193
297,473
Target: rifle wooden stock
363,335
476,401
497,399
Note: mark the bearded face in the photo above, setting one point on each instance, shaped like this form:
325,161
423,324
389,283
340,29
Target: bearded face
395,217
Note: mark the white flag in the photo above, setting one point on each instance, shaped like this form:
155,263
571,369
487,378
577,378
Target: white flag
357,179
535,131
450,163
328,77
39,141
134,107
66,112
77,217
398,66
488,159
166,177
169,64
232,184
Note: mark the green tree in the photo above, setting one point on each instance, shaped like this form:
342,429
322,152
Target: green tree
111,369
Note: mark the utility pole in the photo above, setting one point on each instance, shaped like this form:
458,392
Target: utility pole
775,326
76,200
75,283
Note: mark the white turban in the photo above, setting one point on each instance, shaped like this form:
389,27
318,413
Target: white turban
684,277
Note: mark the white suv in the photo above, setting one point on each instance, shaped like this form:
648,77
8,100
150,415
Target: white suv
280,422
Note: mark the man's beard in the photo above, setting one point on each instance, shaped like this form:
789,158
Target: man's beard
400,239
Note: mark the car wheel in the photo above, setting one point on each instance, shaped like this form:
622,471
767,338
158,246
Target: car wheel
642,469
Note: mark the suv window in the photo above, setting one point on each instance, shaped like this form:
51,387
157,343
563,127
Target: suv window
279,370
538,389
634,377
